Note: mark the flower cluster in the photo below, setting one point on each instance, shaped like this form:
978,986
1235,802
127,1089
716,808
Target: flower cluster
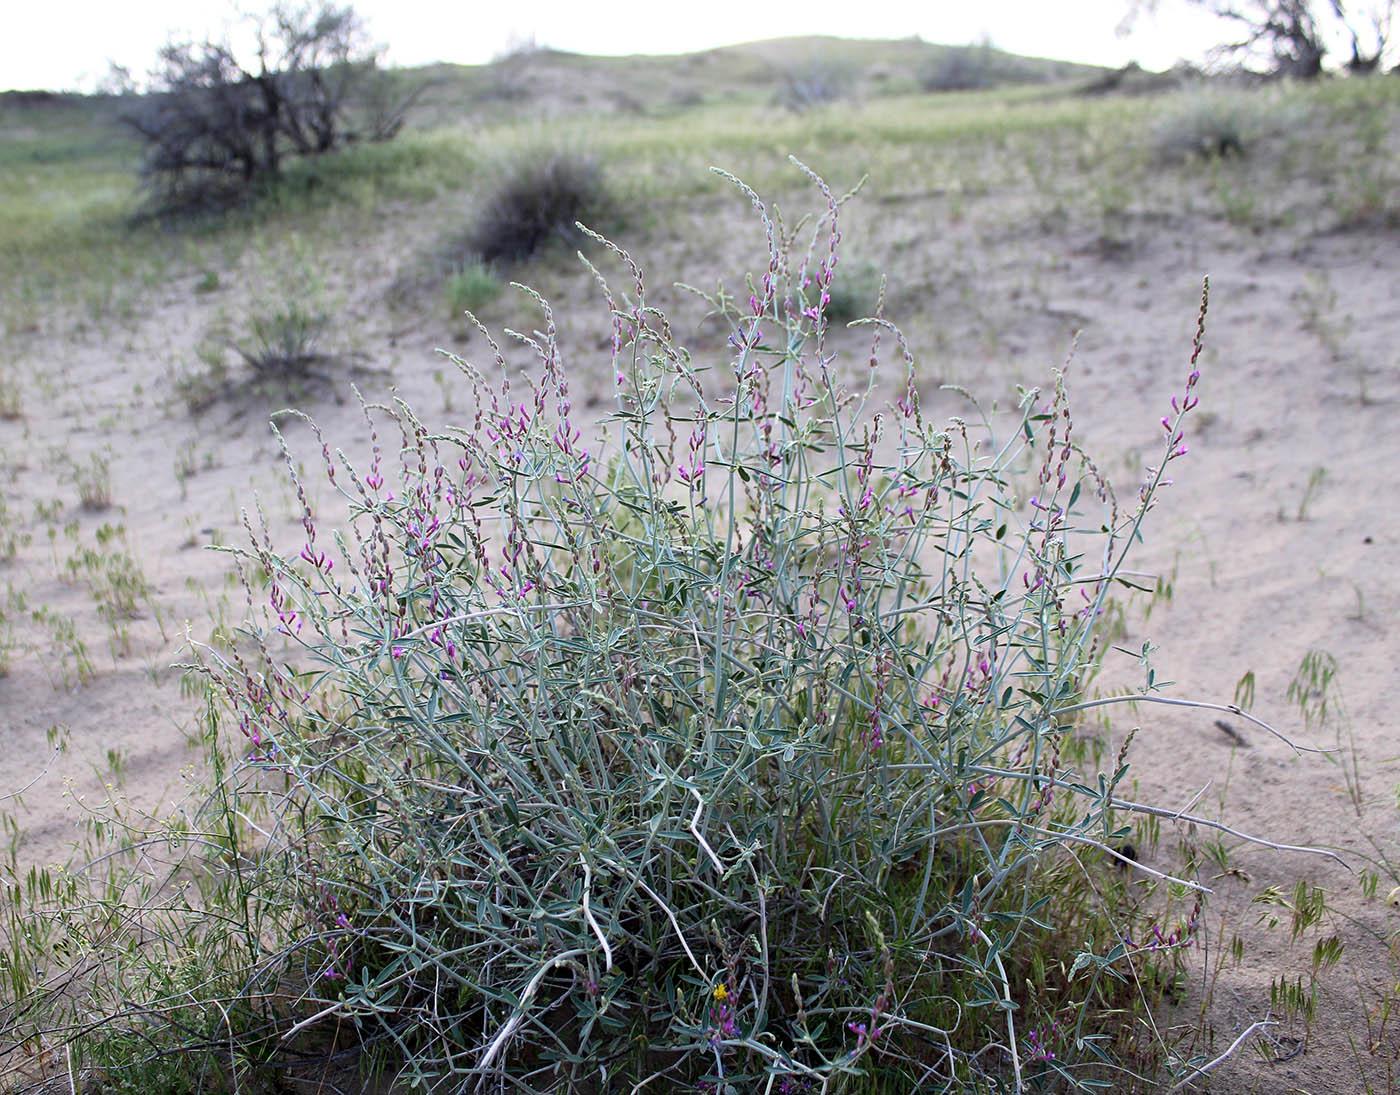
1181,935
1041,1042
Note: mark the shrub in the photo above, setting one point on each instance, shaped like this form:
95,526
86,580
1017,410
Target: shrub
213,129
470,288
813,84
1204,125
972,68
739,753
969,68
538,199
1217,124
283,343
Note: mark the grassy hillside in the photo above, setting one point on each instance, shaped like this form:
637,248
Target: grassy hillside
70,189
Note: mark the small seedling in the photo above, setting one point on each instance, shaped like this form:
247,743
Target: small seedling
75,667
1314,484
11,397
186,465
1244,691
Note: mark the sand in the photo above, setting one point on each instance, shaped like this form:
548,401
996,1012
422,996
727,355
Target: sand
1263,567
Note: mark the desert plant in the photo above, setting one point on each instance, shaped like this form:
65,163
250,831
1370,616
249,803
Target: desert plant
13,534
215,127
816,82
68,662
736,753
7,643
471,287
283,342
200,384
539,198
11,397
94,482
118,586
1206,124
856,292
969,68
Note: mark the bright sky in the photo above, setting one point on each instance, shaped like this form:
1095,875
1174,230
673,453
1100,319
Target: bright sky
66,44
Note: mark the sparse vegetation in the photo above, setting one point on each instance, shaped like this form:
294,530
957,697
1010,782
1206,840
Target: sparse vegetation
11,397
980,66
818,81
1207,124
118,586
470,288
94,482
741,852
285,343
956,872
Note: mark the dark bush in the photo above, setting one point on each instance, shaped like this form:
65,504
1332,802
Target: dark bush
538,199
215,129
815,83
972,68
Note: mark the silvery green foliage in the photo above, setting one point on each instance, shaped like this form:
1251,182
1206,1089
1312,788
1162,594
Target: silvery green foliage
735,752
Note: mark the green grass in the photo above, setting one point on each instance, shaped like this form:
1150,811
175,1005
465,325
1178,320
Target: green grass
471,288
68,187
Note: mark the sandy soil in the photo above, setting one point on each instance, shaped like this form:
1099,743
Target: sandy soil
1263,569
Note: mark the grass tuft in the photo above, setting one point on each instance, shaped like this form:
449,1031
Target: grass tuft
284,343
1211,124
470,288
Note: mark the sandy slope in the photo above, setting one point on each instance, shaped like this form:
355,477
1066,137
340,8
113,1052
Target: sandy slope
994,301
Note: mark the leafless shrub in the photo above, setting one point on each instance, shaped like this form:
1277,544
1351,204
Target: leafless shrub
214,128
1293,37
970,68
815,83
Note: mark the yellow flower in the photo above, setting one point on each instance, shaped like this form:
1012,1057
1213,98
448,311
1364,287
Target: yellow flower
721,993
